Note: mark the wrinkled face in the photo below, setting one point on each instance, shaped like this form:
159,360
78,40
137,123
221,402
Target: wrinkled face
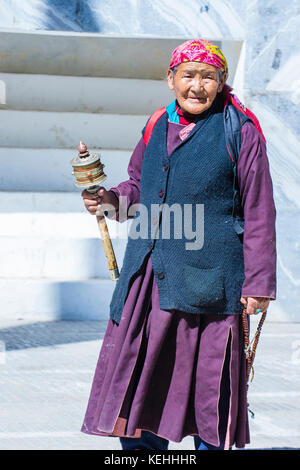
195,85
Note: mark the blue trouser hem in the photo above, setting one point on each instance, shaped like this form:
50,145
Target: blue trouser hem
150,441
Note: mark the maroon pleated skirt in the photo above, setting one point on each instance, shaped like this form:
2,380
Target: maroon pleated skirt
161,371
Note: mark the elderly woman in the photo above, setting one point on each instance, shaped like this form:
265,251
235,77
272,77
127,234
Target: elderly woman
172,362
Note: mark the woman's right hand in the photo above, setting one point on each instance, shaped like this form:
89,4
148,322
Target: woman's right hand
93,201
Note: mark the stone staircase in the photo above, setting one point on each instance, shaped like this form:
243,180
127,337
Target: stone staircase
57,88
53,264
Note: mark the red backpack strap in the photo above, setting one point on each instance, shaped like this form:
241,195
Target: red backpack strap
151,123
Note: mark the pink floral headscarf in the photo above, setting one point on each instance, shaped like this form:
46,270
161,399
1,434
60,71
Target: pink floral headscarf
199,50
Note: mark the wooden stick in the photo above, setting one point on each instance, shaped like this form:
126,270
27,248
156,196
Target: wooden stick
108,248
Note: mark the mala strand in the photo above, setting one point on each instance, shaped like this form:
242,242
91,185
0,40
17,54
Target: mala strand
250,353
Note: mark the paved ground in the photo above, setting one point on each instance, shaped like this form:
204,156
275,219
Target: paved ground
46,371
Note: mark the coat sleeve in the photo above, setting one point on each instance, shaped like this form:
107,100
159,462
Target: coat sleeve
130,189
256,190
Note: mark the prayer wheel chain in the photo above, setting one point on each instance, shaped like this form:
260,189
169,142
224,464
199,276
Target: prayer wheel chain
250,353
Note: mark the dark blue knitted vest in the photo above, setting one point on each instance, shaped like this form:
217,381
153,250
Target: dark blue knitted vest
197,175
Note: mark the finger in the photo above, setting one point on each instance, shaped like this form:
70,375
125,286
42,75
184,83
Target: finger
93,210
89,196
101,191
262,308
251,307
91,202
263,305
91,205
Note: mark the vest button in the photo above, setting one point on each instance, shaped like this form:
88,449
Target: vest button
161,193
166,166
160,275
150,245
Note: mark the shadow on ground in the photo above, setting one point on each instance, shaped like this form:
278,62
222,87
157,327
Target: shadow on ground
39,334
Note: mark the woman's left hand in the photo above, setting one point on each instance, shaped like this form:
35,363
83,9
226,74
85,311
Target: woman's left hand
252,304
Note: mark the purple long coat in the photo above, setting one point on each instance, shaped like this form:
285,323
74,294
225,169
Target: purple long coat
162,371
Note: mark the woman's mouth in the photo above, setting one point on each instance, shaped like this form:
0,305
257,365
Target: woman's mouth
198,100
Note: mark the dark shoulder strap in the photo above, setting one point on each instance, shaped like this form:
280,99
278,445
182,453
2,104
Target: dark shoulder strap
233,122
233,131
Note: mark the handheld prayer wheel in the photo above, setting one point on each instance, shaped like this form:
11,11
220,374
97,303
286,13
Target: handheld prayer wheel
88,172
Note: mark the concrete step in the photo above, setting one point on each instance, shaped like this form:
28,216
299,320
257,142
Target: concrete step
84,94
41,129
47,258
99,55
57,225
89,54
53,264
51,215
51,234
47,300
35,169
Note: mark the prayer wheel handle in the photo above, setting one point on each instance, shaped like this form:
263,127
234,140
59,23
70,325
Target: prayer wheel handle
88,172
108,248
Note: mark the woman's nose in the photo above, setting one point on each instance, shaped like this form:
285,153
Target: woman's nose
197,84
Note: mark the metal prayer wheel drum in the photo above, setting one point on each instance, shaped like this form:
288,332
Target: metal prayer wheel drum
88,172
87,169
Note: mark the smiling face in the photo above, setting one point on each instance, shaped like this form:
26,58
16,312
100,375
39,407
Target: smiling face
195,85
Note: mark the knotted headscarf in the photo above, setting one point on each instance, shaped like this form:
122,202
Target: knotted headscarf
199,50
